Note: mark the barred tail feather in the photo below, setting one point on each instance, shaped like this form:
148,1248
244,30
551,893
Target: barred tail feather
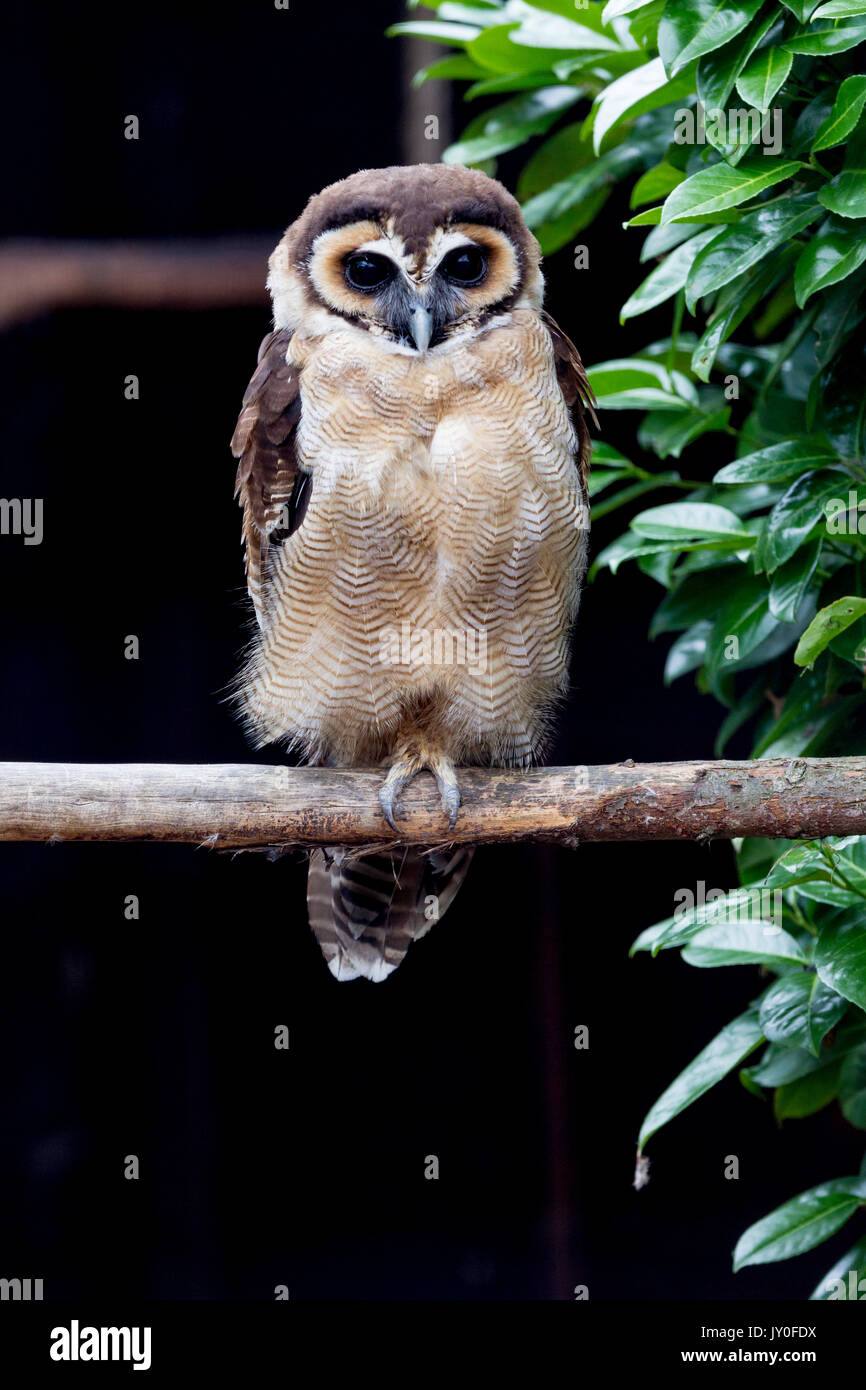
366,910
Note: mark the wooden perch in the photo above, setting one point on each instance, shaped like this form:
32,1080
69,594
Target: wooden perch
238,806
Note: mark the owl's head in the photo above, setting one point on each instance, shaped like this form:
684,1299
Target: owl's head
416,256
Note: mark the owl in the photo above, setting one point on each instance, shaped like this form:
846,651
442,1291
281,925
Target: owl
413,455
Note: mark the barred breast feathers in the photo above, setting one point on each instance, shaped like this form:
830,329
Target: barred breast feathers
445,499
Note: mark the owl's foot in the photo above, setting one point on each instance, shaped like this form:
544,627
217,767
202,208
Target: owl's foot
401,773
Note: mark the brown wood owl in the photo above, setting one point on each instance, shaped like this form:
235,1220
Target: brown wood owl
413,460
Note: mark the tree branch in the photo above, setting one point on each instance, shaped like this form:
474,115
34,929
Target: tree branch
238,806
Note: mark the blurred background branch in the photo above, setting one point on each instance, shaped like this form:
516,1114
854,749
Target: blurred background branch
39,276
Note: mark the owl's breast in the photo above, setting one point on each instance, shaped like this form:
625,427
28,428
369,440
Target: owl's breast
446,516
470,425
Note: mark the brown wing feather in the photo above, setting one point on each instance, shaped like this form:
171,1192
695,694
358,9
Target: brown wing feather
268,480
575,389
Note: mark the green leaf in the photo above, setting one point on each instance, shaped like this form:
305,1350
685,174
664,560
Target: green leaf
689,601
718,71
657,182
826,625
846,112
457,67
539,41
799,1010
627,547
614,8
667,278
642,398
828,37
808,1094
800,1224
840,957
650,217
801,9
569,192
742,624
481,15
737,248
690,28
763,76
844,400
851,646
434,29
846,193
688,520
687,652
741,906
812,733
643,89
605,453
791,582
793,517
721,186
668,434
601,478
508,82
802,861
727,1050
832,256
852,1087
810,120
742,712
561,231
780,1066
633,491
742,943
566,148
736,302
779,463
829,893
562,24
840,9
511,124
836,1284
629,383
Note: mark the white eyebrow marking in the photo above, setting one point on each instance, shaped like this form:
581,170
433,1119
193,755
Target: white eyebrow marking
440,245
390,246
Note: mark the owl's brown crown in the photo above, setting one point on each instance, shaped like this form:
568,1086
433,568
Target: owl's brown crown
416,199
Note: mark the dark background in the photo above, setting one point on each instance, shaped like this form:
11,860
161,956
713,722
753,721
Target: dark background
155,1037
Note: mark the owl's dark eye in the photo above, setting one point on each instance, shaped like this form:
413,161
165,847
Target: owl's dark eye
466,265
366,271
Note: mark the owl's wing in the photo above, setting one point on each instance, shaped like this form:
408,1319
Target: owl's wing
576,391
273,492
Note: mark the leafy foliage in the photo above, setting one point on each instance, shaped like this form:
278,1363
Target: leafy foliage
741,130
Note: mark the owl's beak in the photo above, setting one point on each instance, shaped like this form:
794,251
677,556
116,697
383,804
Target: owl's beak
421,327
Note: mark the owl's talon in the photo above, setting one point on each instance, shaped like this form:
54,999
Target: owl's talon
387,794
449,792
401,773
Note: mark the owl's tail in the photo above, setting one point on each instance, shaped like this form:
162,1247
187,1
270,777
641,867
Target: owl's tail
366,910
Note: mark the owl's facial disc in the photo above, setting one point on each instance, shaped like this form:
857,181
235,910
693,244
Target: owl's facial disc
463,275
